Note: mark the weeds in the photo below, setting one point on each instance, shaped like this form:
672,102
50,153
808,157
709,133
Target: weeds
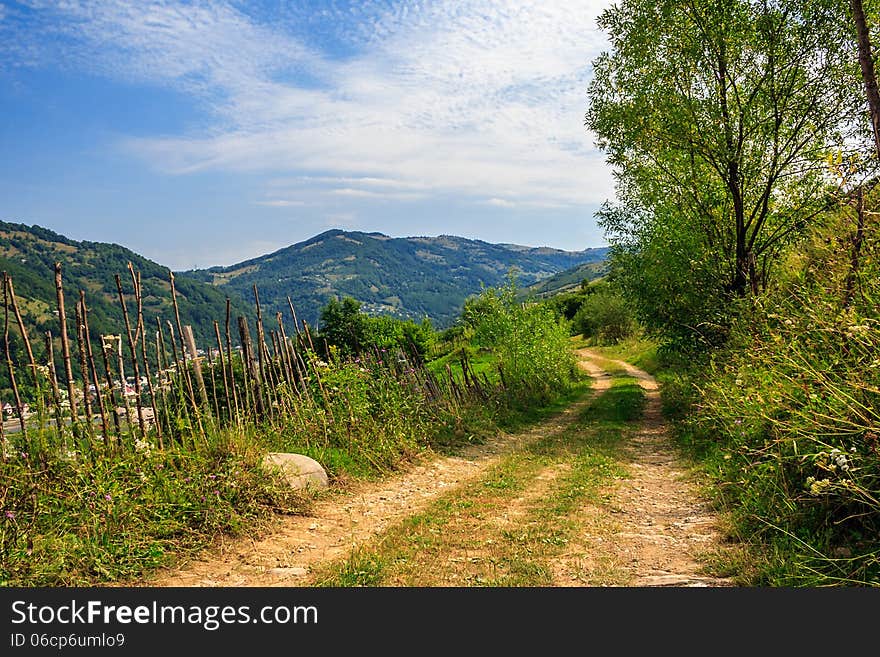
84,499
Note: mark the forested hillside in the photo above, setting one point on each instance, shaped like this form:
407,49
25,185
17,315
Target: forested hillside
28,255
411,277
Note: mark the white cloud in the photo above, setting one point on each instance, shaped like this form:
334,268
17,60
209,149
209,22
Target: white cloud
281,203
480,98
370,194
500,203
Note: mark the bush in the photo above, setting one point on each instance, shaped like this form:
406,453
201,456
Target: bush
605,317
531,343
792,408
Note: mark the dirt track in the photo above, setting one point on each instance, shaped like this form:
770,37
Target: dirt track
651,530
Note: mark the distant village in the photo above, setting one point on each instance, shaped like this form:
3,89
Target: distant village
129,388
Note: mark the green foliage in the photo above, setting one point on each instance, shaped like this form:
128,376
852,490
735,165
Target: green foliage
604,316
717,117
675,285
73,521
790,411
344,326
531,343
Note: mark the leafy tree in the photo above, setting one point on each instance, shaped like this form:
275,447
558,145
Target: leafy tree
604,316
345,326
717,117
342,324
529,339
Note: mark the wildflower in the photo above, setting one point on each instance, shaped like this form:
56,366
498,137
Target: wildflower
737,421
818,487
108,497
10,515
840,459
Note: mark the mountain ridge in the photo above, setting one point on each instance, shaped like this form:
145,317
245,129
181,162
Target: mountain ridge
28,254
411,277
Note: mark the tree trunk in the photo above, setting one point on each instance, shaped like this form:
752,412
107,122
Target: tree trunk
866,62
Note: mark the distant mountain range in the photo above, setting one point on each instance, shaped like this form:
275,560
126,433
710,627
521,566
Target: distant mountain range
409,277
565,281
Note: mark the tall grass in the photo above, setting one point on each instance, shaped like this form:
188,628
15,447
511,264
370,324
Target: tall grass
789,416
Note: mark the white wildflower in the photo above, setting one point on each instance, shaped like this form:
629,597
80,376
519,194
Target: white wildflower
142,445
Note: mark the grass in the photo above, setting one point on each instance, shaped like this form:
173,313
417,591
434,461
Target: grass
505,528
637,351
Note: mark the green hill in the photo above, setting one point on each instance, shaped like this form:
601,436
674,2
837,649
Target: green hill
408,277
565,281
29,253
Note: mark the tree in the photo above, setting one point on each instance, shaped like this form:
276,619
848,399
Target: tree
342,324
717,117
866,64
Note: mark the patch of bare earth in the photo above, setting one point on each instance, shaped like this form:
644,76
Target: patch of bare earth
655,529
471,552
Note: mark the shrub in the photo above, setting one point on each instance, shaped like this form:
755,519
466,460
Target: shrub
604,316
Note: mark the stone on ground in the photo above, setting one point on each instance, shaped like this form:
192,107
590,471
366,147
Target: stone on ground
299,470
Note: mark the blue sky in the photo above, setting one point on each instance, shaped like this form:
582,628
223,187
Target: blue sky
206,133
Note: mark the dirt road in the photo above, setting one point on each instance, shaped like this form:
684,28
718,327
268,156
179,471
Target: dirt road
647,527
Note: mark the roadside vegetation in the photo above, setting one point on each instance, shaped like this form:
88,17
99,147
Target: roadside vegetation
745,241
100,483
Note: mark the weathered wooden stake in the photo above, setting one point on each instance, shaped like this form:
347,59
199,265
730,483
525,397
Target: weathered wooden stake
247,354
53,382
226,389
111,397
18,405
187,377
65,347
84,376
265,388
150,390
229,360
94,370
132,348
163,366
189,342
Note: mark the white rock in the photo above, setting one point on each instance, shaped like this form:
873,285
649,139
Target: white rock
300,471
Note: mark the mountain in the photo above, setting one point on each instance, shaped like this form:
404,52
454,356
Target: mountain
410,277
566,281
29,253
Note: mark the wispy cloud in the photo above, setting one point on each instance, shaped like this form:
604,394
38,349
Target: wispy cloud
480,98
370,194
500,203
281,203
